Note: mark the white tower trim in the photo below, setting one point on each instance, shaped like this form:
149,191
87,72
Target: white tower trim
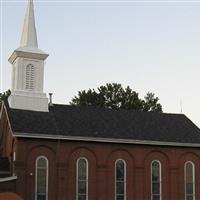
28,69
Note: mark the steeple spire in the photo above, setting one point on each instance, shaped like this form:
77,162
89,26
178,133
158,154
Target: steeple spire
29,35
28,69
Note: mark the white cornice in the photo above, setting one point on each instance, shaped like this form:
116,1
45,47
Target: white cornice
28,53
104,140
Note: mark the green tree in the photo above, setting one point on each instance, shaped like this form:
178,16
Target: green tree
113,95
4,96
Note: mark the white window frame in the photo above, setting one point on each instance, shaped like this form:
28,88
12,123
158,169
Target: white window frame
47,175
124,178
193,178
160,181
77,175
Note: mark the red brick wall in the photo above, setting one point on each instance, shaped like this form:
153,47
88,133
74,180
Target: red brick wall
8,186
6,138
7,142
101,157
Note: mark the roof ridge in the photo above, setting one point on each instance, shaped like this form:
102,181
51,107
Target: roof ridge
117,109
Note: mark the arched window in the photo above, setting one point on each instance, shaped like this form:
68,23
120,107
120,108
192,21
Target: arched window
120,180
189,181
41,178
82,179
156,180
30,76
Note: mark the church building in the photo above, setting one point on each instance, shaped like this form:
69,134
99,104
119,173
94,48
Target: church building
63,152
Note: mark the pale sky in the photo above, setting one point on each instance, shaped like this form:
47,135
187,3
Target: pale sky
148,45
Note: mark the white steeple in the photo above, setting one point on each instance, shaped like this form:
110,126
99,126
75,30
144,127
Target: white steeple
28,69
29,35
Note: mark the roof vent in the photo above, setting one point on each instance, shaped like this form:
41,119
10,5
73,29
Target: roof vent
50,99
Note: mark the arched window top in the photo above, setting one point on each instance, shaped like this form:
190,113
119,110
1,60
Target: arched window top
120,166
189,168
83,159
156,162
189,180
120,161
156,180
41,158
189,164
156,170
120,179
42,161
30,77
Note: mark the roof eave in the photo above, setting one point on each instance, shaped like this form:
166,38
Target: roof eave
104,140
25,54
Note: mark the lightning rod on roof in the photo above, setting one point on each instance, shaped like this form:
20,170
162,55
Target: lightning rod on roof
50,99
181,106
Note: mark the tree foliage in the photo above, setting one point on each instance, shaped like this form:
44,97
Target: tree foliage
4,96
114,96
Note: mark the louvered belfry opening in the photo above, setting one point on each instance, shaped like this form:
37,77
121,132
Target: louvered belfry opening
30,77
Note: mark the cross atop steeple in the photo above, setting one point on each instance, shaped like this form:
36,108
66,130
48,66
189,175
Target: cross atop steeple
29,35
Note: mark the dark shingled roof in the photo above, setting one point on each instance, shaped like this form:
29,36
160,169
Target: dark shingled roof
98,122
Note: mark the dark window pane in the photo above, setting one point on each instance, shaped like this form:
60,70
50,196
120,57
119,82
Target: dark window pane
156,188
189,197
41,178
41,197
120,188
82,187
156,180
82,197
42,163
189,173
155,171
82,165
120,170
189,188
156,197
82,179
120,180
120,197
155,177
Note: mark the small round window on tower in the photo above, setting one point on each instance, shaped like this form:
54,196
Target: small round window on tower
30,76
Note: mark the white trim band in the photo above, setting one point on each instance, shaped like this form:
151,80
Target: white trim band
105,140
8,179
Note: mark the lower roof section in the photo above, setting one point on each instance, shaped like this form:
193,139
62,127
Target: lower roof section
10,178
100,124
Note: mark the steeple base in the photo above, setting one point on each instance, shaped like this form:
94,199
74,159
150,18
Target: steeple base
29,101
